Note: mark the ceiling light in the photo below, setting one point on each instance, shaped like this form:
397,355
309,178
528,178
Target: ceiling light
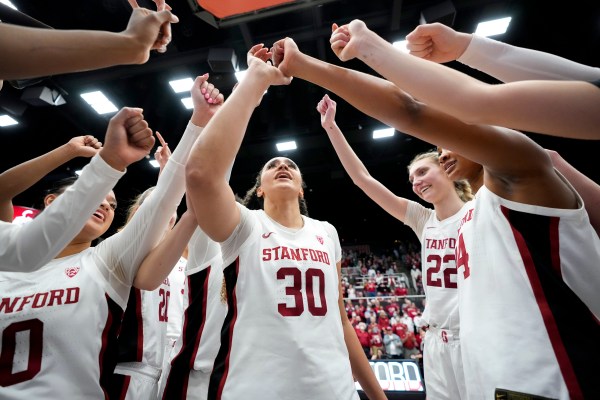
383,133
493,27
401,45
154,163
6,120
182,85
8,3
284,146
99,102
188,103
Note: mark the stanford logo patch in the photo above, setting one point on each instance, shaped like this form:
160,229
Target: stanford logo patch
71,271
320,239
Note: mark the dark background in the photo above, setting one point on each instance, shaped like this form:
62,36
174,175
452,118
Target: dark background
569,29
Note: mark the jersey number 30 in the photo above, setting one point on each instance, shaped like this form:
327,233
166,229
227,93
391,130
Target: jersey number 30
295,289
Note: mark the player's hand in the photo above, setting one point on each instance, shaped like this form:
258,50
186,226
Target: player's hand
162,153
284,53
152,29
437,42
346,40
327,108
259,62
207,100
84,146
128,138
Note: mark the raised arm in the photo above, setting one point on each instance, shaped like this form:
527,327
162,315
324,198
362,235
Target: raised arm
161,259
40,52
558,108
440,43
394,205
28,247
19,178
516,167
214,201
127,249
507,153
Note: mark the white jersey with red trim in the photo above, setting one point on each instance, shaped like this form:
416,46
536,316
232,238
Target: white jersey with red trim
438,243
283,336
528,293
442,350
59,324
191,360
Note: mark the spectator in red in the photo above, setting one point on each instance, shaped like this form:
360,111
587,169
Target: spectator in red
383,320
392,308
401,290
376,343
364,338
409,342
371,288
399,329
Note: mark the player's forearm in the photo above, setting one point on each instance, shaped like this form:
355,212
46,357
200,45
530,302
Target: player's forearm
437,85
40,52
509,63
160,261
216,149
350,161
360,365
371,95
21,177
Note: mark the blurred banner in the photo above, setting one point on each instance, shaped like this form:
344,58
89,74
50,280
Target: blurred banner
23,214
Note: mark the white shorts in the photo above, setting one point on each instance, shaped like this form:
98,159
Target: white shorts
195,389
442,365
140,383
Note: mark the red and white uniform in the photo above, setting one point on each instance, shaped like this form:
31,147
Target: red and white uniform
28,247
282,337
177,279
442,353
187,372
59,325
528,299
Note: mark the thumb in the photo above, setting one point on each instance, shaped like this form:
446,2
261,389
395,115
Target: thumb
167,16
200,79
334,27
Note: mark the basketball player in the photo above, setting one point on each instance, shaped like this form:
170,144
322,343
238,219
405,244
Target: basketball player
143,337
28,247
68,313
436,229
494,249
187,373
286,333
440,43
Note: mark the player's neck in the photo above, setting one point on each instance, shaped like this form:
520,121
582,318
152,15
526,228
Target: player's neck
74,248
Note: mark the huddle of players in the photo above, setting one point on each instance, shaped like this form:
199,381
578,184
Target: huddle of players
231,297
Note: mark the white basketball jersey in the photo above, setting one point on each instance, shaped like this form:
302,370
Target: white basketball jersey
144,331
438,243
59,325
528,279
192,358
282,337
46,350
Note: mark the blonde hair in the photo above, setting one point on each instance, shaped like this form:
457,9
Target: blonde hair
462,187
